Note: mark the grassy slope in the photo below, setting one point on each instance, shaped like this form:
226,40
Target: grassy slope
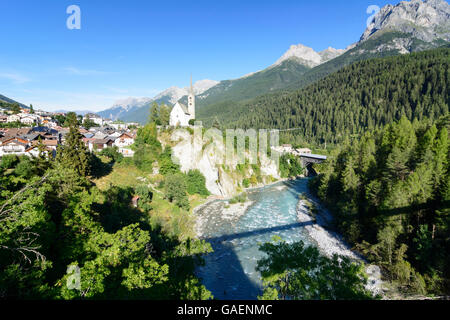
172,219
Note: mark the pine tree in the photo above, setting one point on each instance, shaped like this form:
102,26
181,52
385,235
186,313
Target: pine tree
164,115
154,114
73,154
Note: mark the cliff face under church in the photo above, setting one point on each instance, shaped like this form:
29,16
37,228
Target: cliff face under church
221,180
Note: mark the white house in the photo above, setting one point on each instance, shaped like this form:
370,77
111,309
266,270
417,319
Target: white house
13,118
33,151
124,140
29,120
14,146
180,114
119,126
99,144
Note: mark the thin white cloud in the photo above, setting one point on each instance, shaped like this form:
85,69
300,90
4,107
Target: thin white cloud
83,72
50,99
15,78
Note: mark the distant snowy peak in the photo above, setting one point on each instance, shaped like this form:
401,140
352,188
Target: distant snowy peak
173,94
129,103
204,85
307,56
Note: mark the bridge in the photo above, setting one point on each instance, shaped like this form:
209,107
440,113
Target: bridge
308,158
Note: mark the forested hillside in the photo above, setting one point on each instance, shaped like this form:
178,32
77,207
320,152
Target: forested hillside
363,96
5,102
390,193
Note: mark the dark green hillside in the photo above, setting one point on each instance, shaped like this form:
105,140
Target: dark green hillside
270,79
226,101
228,91
7,103
364,95
364,51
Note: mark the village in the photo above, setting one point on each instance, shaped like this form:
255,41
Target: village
21,133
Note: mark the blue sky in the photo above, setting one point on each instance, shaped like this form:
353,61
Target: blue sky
138,48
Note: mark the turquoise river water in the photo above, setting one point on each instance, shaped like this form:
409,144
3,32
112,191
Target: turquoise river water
229,272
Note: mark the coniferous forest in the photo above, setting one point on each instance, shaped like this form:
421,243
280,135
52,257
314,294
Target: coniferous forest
390,193
363,96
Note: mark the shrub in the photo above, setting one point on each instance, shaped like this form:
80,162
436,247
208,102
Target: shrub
112,153
9,161
145,197
196,183
175,190
166,164
242,198
24,168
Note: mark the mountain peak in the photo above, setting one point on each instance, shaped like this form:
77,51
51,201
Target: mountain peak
426,20
305,54
173,94
308,56
131,102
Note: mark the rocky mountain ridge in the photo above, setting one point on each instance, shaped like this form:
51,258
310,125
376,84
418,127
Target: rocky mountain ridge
425,20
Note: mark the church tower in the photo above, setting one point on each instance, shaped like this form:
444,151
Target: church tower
191,101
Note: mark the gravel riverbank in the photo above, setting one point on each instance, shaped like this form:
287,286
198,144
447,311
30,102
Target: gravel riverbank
330,243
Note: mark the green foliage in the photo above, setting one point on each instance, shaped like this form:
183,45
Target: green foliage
164,114
388,191
88,123
166,165
145,197
296,272
242,198
147,147
55,222
154,114
16,124
15,108
73,154
175,190
112,153
8,161
196,183
290,166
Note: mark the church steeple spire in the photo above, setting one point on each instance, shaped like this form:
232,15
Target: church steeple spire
191,101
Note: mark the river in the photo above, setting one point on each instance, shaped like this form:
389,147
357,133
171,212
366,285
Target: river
229,272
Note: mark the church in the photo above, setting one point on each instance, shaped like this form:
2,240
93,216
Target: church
180,114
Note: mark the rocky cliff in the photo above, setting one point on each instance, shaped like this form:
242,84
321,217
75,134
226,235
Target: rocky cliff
193,152
427,20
